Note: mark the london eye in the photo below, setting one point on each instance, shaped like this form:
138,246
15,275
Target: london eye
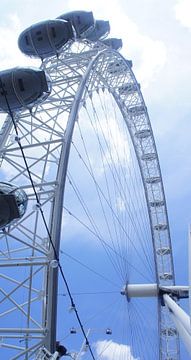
86,257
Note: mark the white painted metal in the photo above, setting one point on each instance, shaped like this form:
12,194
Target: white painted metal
178,312
189,268
55,356
175,288
150,168
58,201
185,336
78,77
28,263
22,331
153,290
140,290
83,347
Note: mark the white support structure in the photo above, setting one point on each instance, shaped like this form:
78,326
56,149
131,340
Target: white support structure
153,290
140,290
55,356
46,134
182,332
189,269
181,320
83,347
44,354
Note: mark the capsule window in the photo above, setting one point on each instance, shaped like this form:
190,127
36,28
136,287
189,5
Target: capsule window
53,31
21,85
78,18
3,92
27,40
38,33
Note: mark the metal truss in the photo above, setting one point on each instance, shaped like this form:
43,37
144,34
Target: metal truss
45,132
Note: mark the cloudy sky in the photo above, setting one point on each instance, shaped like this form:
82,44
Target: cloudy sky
156,36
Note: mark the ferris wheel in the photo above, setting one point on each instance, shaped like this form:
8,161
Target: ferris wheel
83,214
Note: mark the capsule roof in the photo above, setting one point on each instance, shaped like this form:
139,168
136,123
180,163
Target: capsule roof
113,43
45,38
22,87
13,203
82,21
101,30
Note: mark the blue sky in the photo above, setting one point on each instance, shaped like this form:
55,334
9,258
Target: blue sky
156,36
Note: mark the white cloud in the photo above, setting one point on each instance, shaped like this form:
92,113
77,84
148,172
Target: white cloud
107,350
118,147
10,55
151,54
153,58
182,12
120,204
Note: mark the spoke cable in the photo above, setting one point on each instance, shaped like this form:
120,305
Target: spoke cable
112,210
95,231
120,185
88,268
100,200
106,244
45,223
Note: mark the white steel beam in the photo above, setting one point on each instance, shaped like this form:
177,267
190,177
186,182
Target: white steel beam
22,331
189,269
8,346
19,307
55,356
58,203
22,337
28,263
180,314
175,288
27,351
185,336
181,321
44,143
151,290
140,290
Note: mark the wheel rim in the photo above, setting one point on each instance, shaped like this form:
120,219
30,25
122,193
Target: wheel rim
139,129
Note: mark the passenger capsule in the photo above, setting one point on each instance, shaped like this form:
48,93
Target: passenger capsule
161,227
163,251
82,21
113,43
148,156
46,38
13,203
119,67
137,110
153,180
73,330
22,87
127,89
156,203
101,30
169,331
143,134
